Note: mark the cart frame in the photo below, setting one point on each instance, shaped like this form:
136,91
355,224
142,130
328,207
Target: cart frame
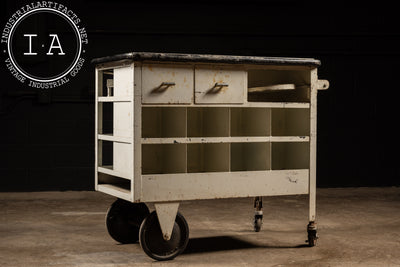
136,175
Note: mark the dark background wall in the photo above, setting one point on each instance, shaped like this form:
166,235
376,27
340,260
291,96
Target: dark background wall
46,136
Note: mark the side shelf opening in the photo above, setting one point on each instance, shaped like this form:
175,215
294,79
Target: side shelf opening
278,85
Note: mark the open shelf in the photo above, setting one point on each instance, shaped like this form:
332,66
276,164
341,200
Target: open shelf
224,139
286,155
207,122
250,122
290,122
163,122
163,158
115,185
207,158
278,85
250,156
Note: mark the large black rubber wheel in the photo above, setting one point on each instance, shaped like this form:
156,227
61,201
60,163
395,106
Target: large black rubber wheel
123,220
153,243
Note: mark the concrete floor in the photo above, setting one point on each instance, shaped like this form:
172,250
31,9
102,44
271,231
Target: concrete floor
357,227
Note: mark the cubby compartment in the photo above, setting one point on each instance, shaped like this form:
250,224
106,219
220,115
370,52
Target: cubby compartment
163,122
250,121
208,157
105,153
106,80
266,85
290,122
207,122
290,155
106,118
163,158
250,156
114,182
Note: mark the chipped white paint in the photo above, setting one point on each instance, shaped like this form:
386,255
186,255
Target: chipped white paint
219,85
167,84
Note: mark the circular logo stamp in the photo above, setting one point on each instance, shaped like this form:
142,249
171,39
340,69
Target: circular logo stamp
43,43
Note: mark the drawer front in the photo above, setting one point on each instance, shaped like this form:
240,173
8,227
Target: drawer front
219,85
167,84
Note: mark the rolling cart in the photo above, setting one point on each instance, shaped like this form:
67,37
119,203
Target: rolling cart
176,127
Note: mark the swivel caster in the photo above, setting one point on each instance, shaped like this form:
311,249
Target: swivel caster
312,234
123,220
258,214
153,243
258,222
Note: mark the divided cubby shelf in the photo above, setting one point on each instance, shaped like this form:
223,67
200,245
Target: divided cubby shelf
224,139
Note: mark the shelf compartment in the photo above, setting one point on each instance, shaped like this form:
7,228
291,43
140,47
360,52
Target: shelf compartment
263,78
201,140
207,158
115,191
250,122
110,171
112,138
290,122
250,156
113,185
287,155
207,122
163,158
163,122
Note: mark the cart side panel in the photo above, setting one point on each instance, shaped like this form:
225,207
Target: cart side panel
123,120
190,186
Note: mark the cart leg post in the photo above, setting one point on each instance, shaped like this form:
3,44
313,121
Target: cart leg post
258,214
166,213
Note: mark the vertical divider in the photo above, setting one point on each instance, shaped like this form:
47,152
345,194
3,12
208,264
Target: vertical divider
229,134
186,145
98,123
136,182
270,134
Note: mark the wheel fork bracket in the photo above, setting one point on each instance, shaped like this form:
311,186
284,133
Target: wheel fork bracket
166,214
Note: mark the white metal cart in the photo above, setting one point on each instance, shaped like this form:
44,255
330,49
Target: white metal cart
176,127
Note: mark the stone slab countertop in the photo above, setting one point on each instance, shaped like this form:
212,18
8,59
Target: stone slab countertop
203,58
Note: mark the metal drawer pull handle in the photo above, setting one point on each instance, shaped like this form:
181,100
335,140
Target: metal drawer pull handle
163,86
167,84
220,85
217,87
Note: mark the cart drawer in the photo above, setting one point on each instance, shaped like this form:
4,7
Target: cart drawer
219,85
167,84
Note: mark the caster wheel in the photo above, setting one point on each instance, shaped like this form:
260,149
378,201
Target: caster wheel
153,243
257,223
312,238
123,220
312,235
